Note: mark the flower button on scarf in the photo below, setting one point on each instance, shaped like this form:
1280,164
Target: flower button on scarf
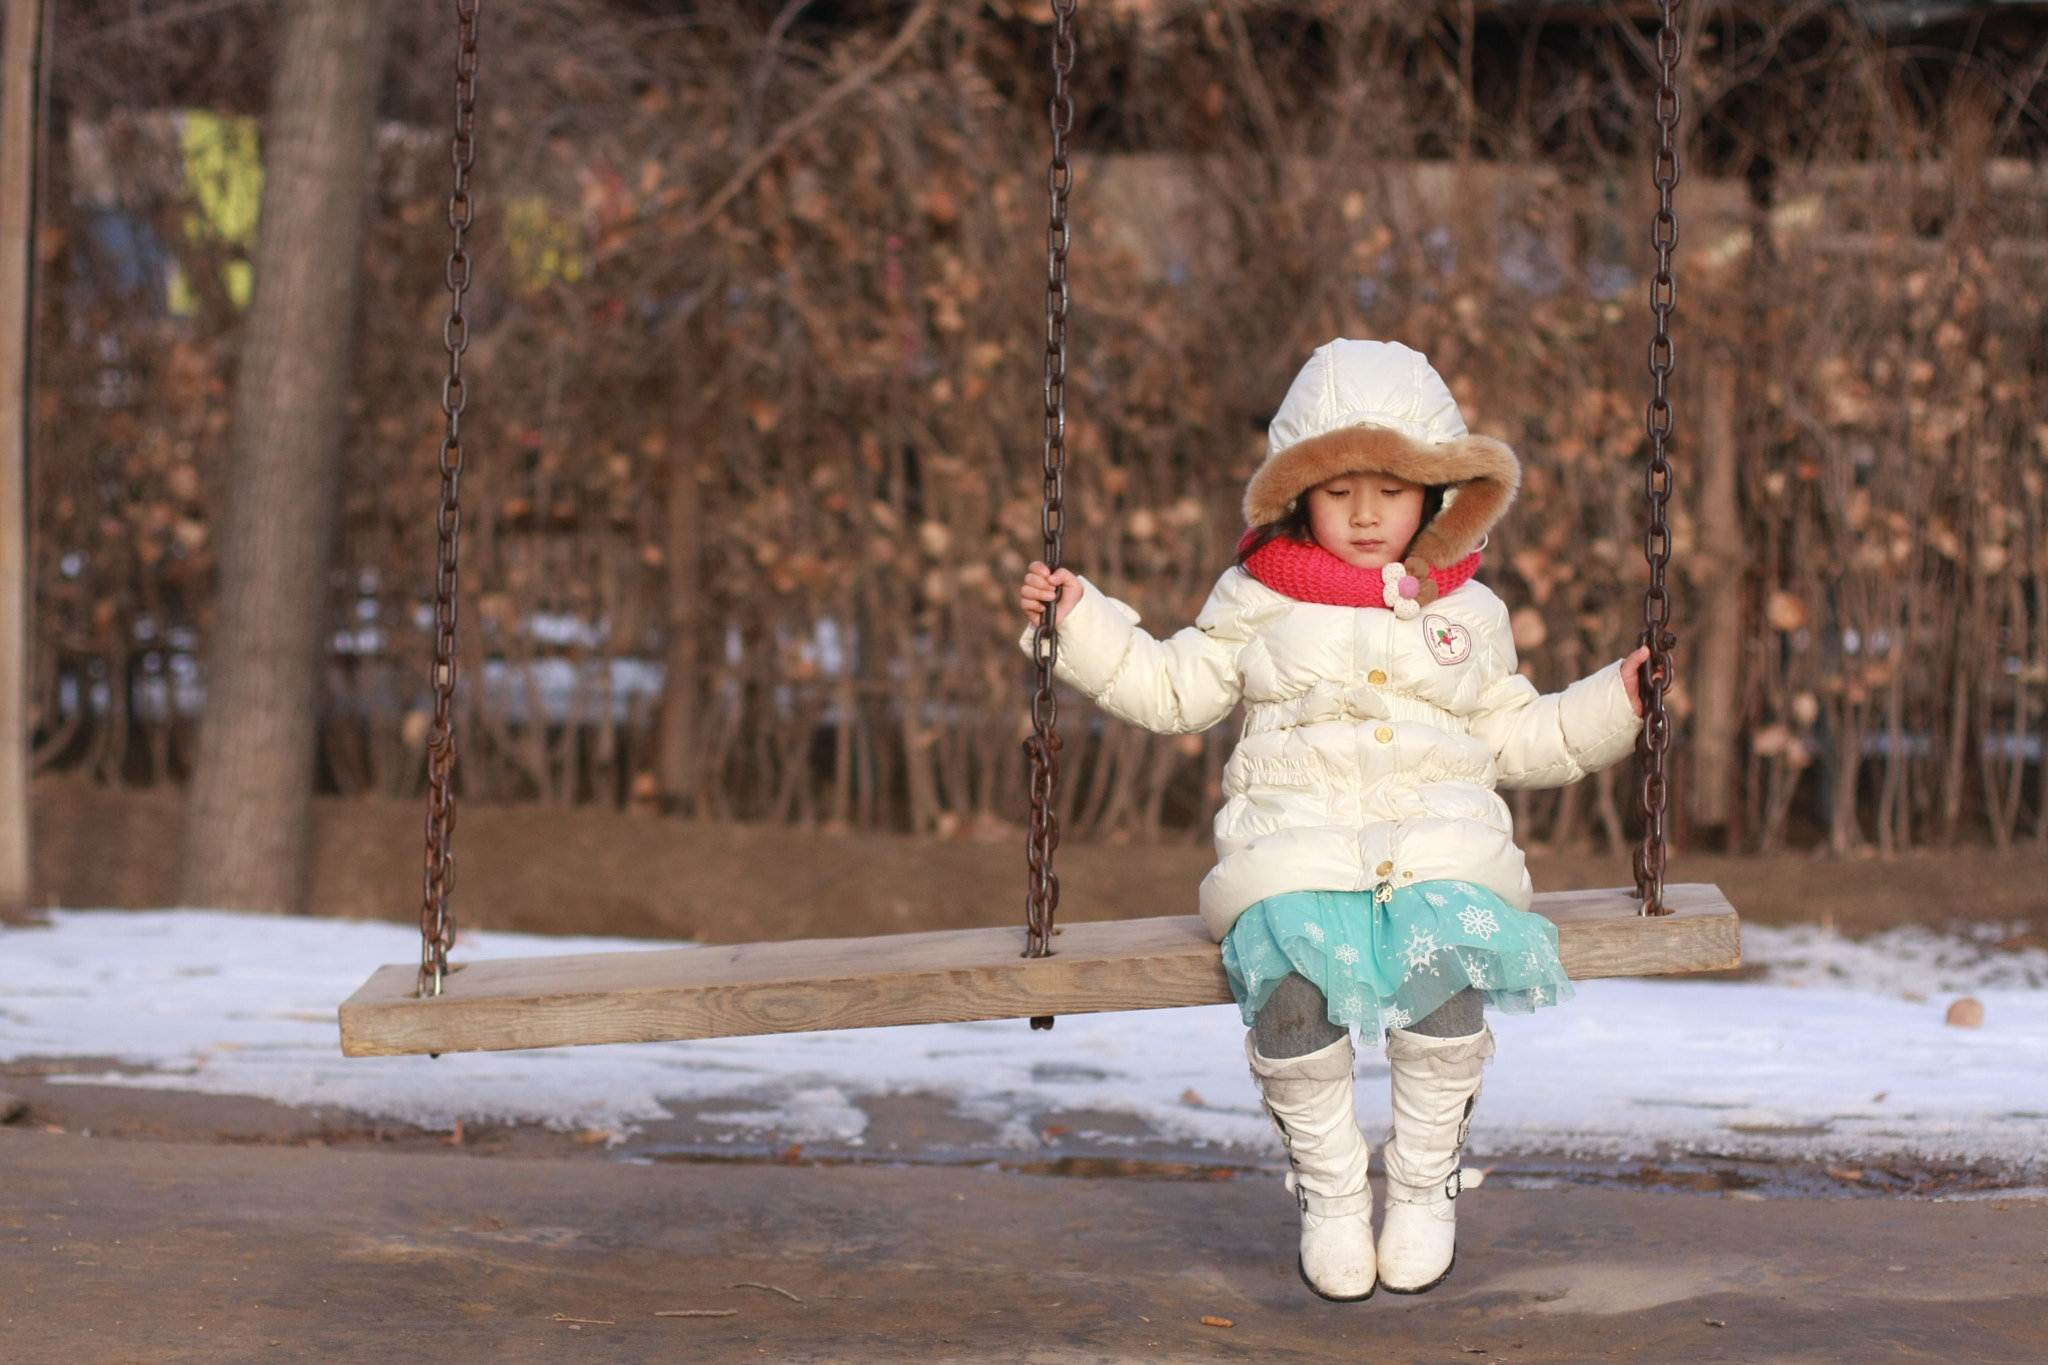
1401,591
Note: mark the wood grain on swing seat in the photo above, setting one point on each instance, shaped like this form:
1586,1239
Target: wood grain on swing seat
944,977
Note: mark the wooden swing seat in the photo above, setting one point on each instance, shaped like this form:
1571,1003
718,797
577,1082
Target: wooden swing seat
945,977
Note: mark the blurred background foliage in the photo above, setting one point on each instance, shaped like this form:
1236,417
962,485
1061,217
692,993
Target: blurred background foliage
758,343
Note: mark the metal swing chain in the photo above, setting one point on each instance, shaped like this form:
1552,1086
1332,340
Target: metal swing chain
1042,896
437,920
1654,748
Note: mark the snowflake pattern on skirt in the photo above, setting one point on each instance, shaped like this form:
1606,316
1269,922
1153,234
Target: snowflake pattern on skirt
1385,960
1479,922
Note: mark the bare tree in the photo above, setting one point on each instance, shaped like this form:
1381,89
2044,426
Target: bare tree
17,142
247,826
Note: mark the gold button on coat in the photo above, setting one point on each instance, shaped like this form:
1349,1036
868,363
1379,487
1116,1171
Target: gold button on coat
1377,676
1385,734
1386,867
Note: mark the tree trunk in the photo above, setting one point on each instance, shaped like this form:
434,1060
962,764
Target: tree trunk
17,215
845,729
247,824
676,764
1716,716
1845,831
1894,818
2036,539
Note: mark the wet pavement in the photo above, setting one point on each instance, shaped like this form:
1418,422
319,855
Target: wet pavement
170,1250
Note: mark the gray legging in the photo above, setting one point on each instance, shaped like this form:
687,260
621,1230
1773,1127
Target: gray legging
1295,1020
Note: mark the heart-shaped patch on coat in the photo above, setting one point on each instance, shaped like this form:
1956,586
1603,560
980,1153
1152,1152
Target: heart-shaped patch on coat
1449,642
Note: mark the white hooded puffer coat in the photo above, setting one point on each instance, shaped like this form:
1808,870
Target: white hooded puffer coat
1371,746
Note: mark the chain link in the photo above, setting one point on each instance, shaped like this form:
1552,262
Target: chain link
437,919
1654,748
1042,895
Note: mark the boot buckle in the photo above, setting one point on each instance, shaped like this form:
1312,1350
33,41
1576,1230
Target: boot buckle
1464,1178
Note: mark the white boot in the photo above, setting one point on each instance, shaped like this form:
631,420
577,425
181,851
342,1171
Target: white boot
1309,1100
1436,1084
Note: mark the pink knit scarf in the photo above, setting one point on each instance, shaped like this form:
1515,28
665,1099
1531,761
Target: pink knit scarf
1309,573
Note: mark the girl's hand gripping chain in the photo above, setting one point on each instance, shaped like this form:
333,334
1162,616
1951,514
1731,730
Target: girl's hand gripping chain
1632,677
1042,585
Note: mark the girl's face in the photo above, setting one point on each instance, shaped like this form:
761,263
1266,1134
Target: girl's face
1366,520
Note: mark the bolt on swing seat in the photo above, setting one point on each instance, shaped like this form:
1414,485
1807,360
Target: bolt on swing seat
955,976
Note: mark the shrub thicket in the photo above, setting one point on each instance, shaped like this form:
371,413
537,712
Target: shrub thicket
758,347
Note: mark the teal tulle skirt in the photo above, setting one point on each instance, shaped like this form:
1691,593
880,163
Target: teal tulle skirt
1386,958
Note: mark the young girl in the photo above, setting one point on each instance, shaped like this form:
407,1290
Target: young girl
1366,873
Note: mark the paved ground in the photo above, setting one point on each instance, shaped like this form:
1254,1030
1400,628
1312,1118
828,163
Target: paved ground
126,1251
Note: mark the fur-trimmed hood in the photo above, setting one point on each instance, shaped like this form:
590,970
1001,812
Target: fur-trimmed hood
1377,406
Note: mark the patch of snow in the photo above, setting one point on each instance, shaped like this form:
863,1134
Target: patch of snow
820,1115
2029,1192
1907,961
231,1004
1752,1069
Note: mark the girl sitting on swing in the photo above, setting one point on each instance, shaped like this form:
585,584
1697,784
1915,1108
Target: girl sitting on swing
1367,875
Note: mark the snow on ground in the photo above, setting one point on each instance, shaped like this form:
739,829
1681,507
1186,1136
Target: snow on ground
1840,1050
